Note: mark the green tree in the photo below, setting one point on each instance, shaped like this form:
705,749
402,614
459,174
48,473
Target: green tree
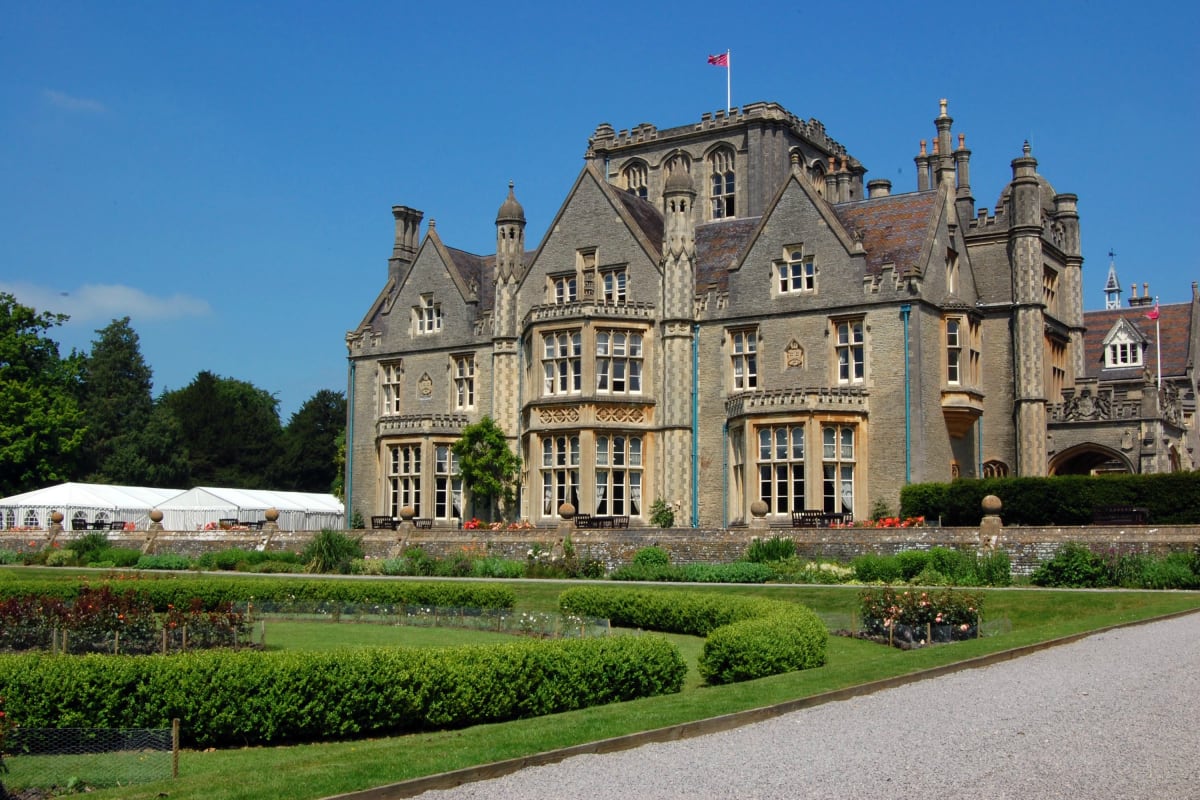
309,458
488,467
41,425
230,430
117,401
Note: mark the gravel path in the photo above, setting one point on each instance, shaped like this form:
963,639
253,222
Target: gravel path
1113,716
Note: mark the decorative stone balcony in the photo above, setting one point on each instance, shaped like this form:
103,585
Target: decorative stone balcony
421,423
961,407
798,399
590,309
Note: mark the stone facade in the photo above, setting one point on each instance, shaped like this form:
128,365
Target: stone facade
722,313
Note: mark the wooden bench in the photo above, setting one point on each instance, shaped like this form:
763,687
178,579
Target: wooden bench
1120,515
590,521
383,523
423,522
814,518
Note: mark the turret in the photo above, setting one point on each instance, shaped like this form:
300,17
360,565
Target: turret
510,258
963,200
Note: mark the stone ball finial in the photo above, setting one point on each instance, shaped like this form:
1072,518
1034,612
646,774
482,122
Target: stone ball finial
271,514
156,515
566,511
56,517
991,504
758,509
407,513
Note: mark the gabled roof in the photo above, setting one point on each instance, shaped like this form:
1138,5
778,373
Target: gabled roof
894,229
719,246
1174,326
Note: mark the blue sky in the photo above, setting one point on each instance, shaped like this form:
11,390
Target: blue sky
223,172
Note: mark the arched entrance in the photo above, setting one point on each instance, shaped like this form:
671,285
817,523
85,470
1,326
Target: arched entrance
1089,459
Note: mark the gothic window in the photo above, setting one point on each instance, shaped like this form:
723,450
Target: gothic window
951,272
404,478
995,469
619,362
722,181
448,484
389,386
636,177
744,359
781,468
1056,375
1050,288
850,344
795,272
464,382
564,288
954,350
31,519
562,363
614,285
427,315
837,454
560,473
619,475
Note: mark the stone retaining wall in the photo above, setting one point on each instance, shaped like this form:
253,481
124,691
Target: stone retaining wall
1027,547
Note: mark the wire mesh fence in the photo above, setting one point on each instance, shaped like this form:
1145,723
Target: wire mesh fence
82,759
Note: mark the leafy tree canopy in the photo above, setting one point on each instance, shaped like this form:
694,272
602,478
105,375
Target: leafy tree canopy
230,430
309,458
488,467
117,400
41,424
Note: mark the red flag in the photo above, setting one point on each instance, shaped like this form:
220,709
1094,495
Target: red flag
720,60
1153,312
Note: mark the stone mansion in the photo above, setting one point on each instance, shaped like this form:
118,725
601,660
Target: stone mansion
725,312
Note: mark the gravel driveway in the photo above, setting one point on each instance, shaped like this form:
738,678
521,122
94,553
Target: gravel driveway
1112,716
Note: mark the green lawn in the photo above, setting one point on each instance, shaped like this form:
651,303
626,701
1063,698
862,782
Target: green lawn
313,771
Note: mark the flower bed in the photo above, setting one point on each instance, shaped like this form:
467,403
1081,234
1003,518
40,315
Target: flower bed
910,619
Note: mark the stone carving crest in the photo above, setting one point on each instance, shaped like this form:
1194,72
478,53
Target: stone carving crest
1086,407
425,386
794,354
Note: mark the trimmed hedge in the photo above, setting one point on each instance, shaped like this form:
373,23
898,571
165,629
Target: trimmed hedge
214,593
230,698
1173,498
747,637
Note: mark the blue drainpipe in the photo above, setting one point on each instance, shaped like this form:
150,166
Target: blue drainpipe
695,426
905,310
349,505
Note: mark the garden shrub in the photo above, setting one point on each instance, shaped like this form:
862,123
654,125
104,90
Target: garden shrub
874,568
1073,566
164,561
495,567
87,548
945,615
737,572
781,642
750,651
652,557
317,696
912,563
118,557
331,552
167,590
777,548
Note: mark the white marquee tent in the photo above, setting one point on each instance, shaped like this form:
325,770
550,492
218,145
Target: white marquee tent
96,505
204,507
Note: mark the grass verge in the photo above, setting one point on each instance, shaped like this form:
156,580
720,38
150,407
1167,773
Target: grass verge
314,771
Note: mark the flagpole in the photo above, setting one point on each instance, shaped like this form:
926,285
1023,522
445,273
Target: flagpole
1158,340
728,81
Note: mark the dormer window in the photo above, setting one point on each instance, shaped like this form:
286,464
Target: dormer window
1123,346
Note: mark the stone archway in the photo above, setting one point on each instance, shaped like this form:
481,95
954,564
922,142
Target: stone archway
1088,459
